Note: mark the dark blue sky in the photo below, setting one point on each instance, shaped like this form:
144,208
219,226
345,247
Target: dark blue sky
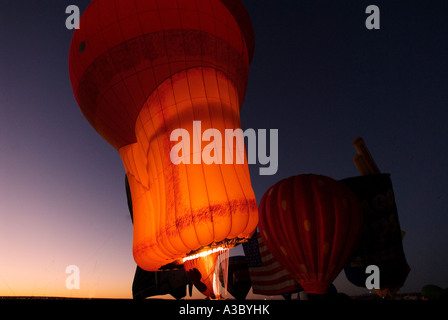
318,76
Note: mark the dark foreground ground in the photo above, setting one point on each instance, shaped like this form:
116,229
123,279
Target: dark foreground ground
406,305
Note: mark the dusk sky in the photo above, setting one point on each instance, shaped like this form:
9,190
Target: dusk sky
318,75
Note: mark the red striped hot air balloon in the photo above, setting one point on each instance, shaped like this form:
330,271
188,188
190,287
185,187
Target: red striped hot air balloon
310,223
142,69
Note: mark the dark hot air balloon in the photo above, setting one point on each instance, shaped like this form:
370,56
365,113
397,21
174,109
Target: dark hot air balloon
310,224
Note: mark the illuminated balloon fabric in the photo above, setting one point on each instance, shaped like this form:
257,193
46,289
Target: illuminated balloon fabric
310,224
139,70
154,283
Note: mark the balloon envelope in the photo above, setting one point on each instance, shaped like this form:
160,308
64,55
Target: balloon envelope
141,70
310,224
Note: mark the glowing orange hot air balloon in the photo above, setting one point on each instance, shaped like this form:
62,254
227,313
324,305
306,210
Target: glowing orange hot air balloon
310,223
142,69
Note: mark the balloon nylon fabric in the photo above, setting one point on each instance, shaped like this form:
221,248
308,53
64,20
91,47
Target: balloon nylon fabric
310,223
125,49
181,208
140,69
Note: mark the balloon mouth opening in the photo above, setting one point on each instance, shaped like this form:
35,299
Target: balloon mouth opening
204,269
213,248
205,253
